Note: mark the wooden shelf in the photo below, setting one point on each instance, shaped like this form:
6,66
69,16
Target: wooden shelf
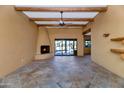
120,51
122,56
122,41
117,39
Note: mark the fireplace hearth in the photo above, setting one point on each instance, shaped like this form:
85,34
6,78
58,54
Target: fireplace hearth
45,49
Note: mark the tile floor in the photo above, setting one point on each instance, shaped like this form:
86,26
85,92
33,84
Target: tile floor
62,72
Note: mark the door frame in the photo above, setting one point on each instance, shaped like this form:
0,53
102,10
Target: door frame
66,39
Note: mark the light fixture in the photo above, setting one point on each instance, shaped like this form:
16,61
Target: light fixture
106,34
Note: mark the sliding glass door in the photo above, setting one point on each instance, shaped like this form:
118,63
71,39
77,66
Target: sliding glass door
65,47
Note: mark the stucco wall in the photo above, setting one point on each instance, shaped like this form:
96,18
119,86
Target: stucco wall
68,33
17,40
110,22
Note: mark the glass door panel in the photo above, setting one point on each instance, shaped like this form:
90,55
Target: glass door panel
71,48
65,47
58,46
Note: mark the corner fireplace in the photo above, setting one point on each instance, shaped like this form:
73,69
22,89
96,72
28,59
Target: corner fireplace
44,49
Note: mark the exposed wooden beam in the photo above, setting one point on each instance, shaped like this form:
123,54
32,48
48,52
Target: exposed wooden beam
86,31
59,25
58,9
65,19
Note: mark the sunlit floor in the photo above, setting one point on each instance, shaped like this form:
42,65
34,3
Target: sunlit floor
62,72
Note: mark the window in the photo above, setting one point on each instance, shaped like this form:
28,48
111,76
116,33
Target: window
87,43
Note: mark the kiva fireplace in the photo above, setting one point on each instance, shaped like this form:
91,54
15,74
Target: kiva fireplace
44,49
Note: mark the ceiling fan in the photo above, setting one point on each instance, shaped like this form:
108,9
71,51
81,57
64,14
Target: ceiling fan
61,22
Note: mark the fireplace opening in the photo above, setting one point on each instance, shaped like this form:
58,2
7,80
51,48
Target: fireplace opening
45,49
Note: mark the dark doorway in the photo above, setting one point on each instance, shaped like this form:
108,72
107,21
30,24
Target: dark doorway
65,47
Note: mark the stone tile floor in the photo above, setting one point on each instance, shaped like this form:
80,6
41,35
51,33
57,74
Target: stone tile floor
62,72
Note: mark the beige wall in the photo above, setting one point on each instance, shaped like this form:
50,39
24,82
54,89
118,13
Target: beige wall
17,40
110,22
54,33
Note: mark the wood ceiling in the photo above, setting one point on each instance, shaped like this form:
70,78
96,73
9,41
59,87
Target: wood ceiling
65,19
72,10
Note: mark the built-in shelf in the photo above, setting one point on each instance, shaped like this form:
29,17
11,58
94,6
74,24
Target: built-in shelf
120,51
122,41
117,39
122,56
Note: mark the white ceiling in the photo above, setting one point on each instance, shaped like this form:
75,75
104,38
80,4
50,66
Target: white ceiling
58,15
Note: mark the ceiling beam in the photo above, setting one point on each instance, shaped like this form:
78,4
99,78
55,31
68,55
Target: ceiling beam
86,31
59,25
64,19
58,9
